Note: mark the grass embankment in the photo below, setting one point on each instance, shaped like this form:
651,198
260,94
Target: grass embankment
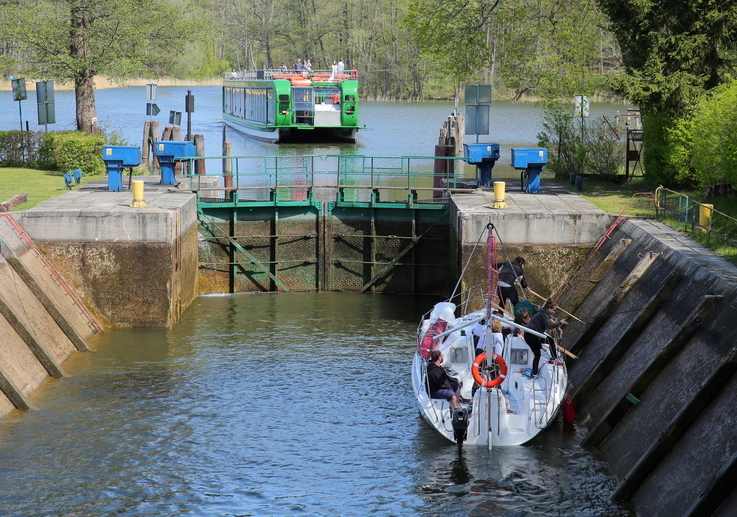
637,199
39,185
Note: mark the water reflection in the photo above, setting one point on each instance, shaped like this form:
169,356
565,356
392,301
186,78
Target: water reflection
288,404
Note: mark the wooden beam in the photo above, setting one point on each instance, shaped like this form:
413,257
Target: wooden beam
617,351
599,431
675,429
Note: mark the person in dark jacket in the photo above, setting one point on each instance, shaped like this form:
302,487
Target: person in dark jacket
509,274
440,385
542,320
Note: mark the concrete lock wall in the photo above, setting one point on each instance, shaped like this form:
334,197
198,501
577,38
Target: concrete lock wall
552,233
654,382
132,267
41,321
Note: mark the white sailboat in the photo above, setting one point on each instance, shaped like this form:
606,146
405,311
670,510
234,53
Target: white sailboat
502,404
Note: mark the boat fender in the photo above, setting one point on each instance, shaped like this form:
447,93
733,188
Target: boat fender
502,370
568,411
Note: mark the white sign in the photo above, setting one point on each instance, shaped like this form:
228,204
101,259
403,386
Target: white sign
581,105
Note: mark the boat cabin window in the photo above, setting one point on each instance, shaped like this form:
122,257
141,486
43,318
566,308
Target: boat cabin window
350,104
303,105
326,95
519,356
250,103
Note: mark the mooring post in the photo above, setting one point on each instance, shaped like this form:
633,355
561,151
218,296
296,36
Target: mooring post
199,146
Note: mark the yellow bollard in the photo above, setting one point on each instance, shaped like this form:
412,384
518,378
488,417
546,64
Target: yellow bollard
705,217
499,189
138,194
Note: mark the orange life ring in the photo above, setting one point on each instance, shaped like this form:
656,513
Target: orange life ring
336,99
502,370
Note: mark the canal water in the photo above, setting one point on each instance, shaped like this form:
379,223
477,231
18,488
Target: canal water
296,404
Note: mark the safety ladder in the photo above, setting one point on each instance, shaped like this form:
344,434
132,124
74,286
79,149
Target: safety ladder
540,395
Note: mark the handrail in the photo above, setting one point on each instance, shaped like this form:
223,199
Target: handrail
345,174
692,214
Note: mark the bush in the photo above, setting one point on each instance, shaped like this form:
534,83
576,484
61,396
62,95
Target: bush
713,145
67,151
19,148
597,152
562,139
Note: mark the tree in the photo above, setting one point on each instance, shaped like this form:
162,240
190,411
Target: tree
672,51
76,40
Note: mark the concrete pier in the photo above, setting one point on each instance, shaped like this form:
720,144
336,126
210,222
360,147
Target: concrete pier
134,267
553,231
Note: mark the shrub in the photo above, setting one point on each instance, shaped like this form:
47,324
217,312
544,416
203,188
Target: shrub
598,151
67,151
19,148
604,150
562,139
713,145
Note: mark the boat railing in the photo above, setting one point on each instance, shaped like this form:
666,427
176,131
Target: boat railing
316,76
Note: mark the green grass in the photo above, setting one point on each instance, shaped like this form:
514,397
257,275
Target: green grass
637,198
39,185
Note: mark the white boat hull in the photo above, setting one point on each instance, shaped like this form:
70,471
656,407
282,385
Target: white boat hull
511,413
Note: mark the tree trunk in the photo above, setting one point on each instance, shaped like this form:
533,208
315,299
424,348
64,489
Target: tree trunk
84,87
86,111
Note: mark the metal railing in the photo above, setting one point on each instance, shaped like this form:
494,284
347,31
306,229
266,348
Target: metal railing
341,178
698,218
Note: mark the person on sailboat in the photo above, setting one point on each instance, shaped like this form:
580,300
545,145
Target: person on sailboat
509,273
440,385
542,320
497,339
479,337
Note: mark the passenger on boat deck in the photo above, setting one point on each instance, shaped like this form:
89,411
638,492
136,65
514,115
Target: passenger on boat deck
509,273
440,385
523,304
542,320
341,66
496,337
298,66
283,68
308,65
479,337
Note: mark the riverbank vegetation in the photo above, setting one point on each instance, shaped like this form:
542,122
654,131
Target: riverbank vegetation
671,60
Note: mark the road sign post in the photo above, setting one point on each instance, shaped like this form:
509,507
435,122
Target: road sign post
19,94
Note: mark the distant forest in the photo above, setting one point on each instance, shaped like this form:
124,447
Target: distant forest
402,49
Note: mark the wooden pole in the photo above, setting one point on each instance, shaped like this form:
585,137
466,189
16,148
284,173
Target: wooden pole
154,137
227,168
562,310
146,147
199,146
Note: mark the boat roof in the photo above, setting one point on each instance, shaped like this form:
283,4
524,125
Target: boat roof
267,74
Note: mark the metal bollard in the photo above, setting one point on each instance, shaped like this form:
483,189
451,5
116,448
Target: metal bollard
137,194
705,217
499,190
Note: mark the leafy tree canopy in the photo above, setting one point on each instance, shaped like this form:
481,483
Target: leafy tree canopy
672,51
76,40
